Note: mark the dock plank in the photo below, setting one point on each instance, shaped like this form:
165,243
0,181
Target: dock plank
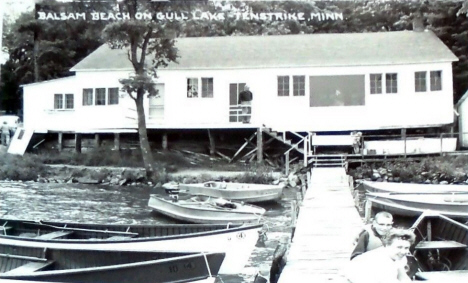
326,227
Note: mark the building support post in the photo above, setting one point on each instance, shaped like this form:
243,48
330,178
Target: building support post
441,144
78,143
60,142
97,141
403,137
259,146
212,143
164,141
117,141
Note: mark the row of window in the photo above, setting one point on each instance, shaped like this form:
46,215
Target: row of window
378,84
110,96
96,96
100,96
206,87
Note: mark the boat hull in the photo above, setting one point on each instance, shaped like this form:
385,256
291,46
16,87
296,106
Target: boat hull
200,213
251,193
389,187
237,242
55,265
451,205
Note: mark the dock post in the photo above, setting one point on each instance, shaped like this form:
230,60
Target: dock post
259,146
60,142
116,141
368,211
164,141
78,143
286,163
97,140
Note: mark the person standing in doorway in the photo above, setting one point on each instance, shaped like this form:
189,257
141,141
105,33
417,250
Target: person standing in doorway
245,100
5,134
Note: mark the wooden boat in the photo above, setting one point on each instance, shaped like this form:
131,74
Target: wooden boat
232,191
453,205
237,241
203,209
440,249
389,187
88,266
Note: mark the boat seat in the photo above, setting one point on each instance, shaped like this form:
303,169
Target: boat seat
426,245
54,235
29,267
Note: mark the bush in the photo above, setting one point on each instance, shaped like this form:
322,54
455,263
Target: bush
21,168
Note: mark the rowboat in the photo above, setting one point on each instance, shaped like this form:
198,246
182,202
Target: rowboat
87,266
389,187
203,209
440,249
412,204
232,191
237,241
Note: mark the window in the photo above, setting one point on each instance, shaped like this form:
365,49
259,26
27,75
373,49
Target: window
207,87
283,85
87,96
436,80
58,101
299,85
100,96
391,83
192,87
420,81
113,96
375,83
69,101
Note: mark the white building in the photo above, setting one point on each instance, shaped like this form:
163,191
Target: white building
316,82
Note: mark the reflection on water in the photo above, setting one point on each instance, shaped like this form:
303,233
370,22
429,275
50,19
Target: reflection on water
108,204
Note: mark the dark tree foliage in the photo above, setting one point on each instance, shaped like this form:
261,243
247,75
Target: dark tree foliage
41,50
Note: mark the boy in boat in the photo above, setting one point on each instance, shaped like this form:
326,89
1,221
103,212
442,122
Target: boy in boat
373,235
383,265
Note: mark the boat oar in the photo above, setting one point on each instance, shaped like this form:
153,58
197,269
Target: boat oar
30,258
130,234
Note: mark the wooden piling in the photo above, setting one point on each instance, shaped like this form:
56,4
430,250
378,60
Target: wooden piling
78,143
60,142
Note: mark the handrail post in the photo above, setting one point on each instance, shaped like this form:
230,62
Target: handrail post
441,143
287,163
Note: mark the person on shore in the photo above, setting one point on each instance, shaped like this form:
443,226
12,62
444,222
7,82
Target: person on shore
373,236
5,136
245,100
383,265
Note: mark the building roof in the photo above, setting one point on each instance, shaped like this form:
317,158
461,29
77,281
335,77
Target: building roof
283,51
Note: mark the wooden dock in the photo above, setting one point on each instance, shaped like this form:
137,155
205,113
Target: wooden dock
327,224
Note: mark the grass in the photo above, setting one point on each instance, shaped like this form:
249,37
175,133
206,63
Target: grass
21,168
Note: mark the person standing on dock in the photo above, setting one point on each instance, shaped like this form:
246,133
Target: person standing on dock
373,235
383,265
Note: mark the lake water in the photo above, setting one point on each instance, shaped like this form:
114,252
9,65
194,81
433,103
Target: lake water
128,204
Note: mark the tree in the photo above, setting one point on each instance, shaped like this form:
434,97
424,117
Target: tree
142,39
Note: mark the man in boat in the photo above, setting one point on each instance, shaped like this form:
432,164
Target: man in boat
383,265
373,235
